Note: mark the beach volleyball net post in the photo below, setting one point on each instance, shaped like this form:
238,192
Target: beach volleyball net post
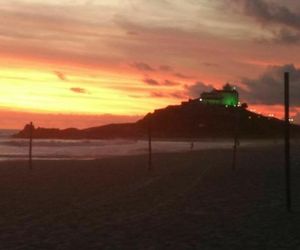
149,144
287,140
236,137
31,128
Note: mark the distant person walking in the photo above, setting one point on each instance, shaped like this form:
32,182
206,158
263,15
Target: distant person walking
192,146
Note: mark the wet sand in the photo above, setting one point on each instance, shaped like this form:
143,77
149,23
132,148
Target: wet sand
190,200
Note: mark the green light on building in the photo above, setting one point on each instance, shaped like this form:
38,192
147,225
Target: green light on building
228,96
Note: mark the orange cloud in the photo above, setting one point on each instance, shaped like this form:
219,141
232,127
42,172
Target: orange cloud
60,75
78,90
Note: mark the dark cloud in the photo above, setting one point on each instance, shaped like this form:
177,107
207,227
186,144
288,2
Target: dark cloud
78,90
60,75
158,94
177,95
179,75
279,18
170,83
194,91
269,87
151,81
143,66
287,36
165,68
271,12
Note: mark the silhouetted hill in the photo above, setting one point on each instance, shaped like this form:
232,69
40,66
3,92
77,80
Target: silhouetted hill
191,119
111,131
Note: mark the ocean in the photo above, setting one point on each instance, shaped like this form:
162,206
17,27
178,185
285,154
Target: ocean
50,149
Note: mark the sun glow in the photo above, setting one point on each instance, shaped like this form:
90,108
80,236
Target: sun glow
52,91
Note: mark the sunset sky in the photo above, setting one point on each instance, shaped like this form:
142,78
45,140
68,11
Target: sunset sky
83,63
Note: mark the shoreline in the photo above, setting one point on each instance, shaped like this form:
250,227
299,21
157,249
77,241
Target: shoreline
90,150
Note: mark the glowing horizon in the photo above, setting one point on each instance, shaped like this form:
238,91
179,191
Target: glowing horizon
123,59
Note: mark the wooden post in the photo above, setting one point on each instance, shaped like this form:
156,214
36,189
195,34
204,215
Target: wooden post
236,137
287,140
30,145
150,144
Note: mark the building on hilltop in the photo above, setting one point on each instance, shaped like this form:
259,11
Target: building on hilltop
228,96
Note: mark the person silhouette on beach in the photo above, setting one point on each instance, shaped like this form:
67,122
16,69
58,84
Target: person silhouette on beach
192,146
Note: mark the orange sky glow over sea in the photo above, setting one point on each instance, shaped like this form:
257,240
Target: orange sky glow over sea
86,63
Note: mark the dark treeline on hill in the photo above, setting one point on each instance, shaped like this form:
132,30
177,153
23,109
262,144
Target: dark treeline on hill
188,120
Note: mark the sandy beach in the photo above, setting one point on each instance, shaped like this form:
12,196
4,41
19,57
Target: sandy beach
190,200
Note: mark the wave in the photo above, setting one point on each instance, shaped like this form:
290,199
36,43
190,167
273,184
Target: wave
6,133
17,149
13,157
64,143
